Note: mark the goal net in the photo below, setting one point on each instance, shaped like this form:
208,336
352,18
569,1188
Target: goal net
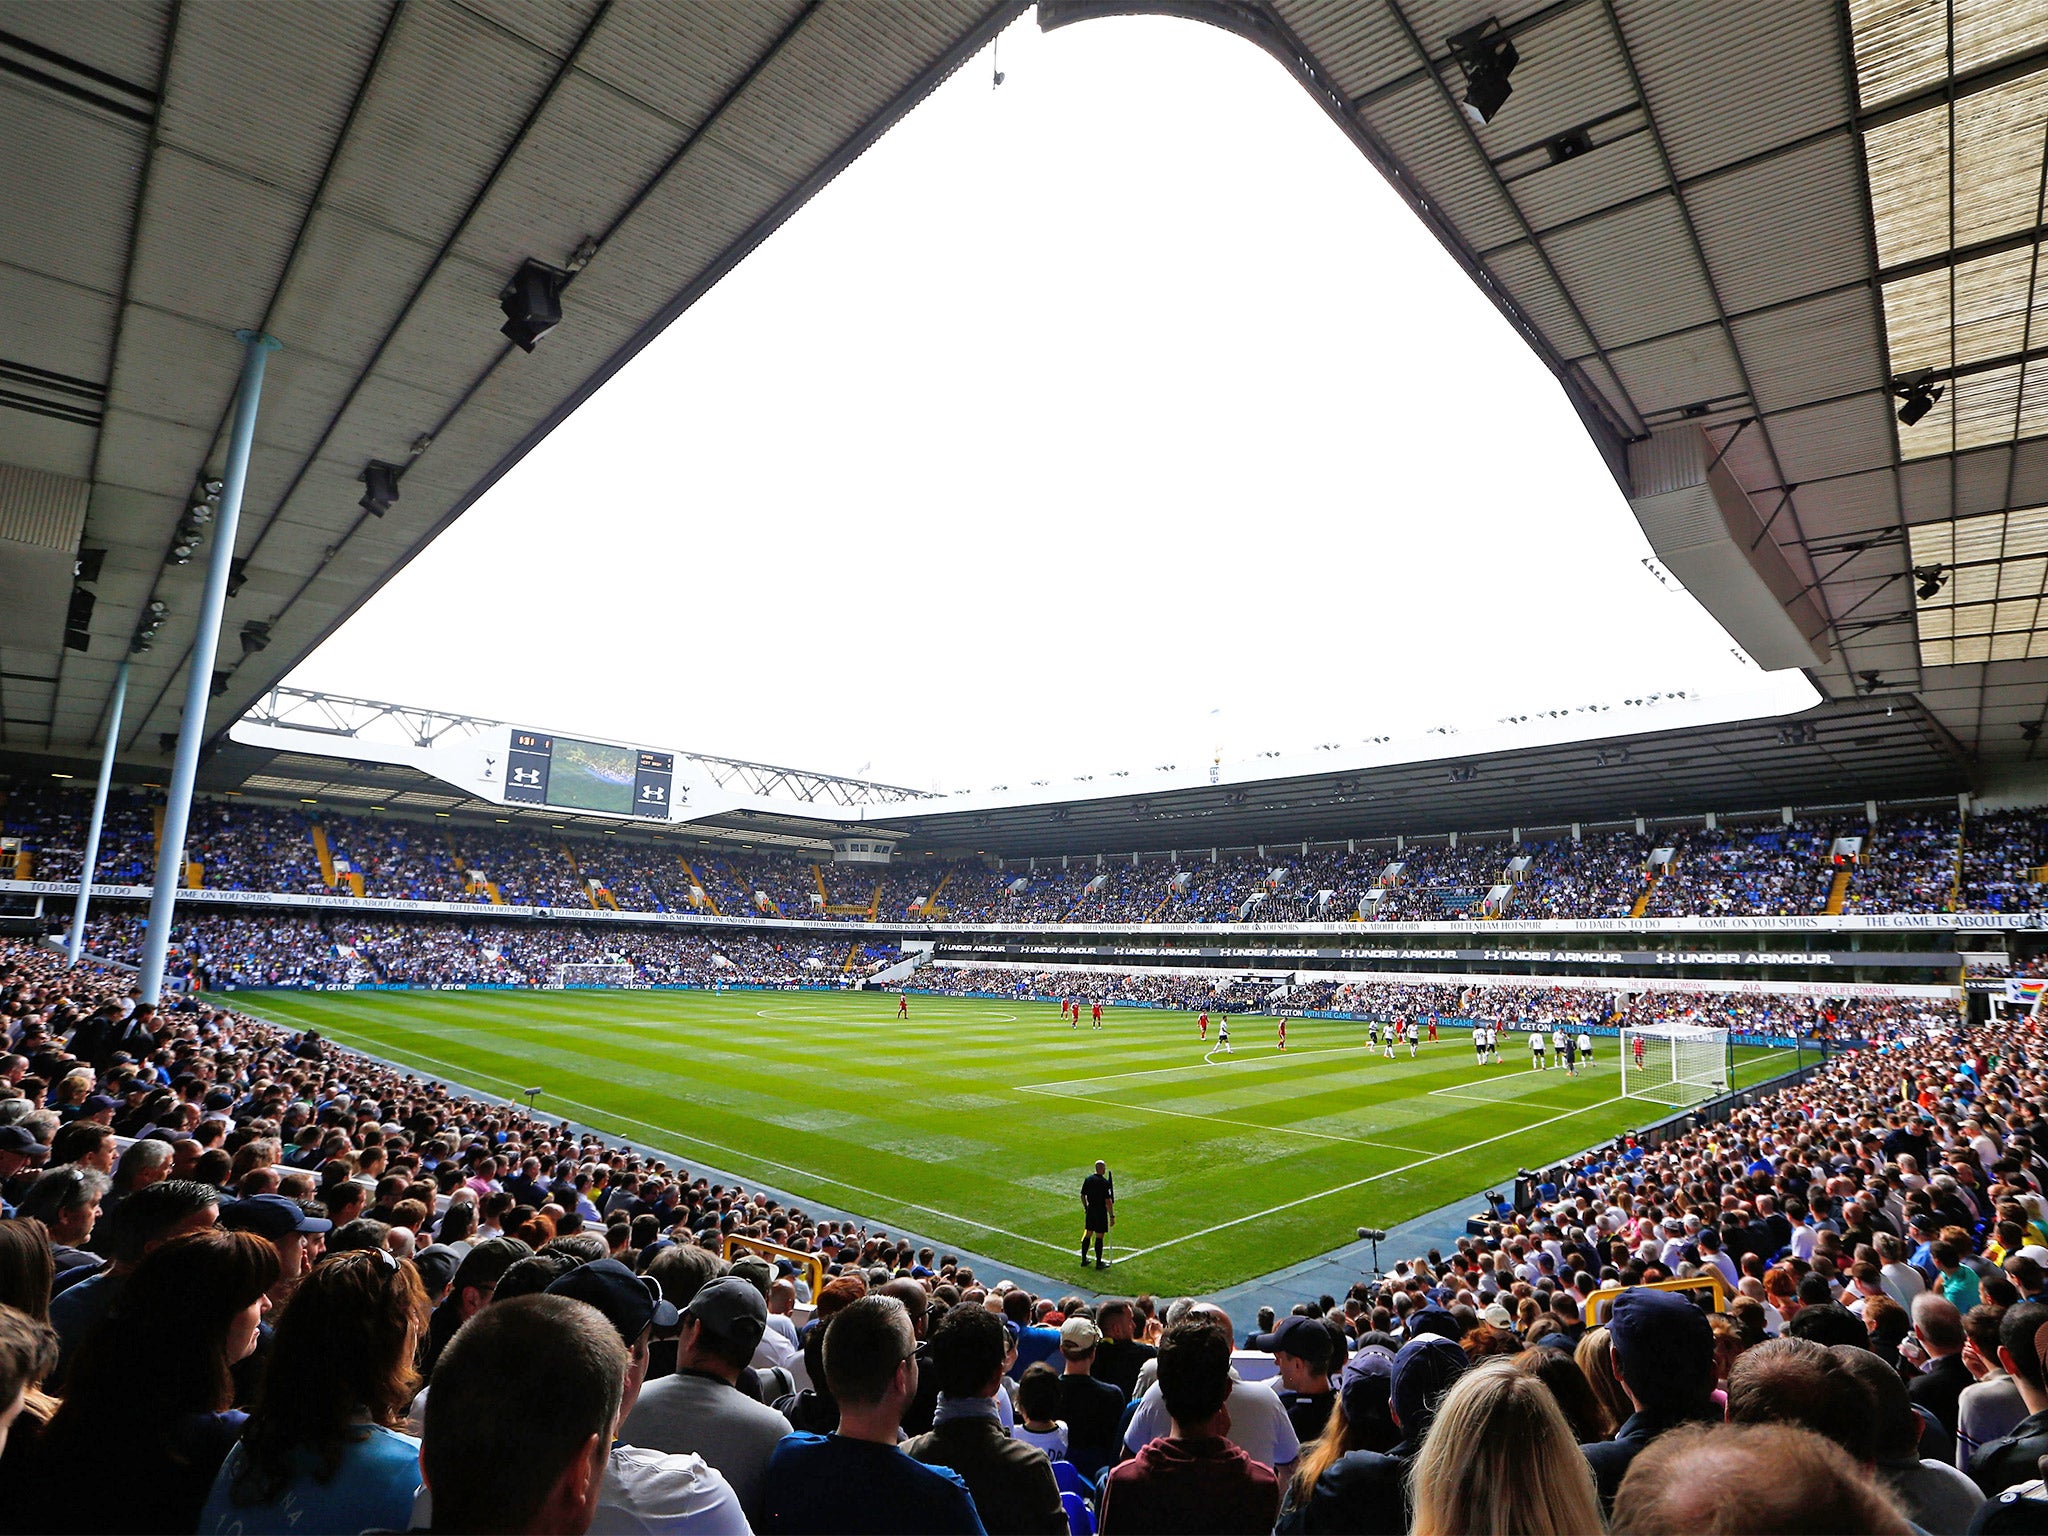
593,973
1674,1063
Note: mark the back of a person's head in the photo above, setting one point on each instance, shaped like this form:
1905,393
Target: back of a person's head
1500,1457
865,1346
527,1391
1194,1370
1796,1381
153,1213
1938,1322
1830,1324
684,1270
1017,1307
160,1352
1897,1427
967,1349
28,1353
27,1266
342,1346
1749,1480
2016,1332
1038,1392
534,1274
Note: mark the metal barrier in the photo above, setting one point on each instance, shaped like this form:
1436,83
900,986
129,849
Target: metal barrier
1601,1302
804,1261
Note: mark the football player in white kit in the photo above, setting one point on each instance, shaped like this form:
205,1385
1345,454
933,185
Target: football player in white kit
1537,1060
1585,1046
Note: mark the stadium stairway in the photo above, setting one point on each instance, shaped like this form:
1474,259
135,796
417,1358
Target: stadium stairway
195,876
320,852
931,908
1643,901
1838,892
701,884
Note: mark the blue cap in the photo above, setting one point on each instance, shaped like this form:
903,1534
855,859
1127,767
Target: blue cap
1424,1370
1663,1346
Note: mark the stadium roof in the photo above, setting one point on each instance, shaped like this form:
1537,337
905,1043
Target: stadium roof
360,181
1769,220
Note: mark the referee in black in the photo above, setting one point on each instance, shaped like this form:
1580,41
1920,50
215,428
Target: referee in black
1098,1212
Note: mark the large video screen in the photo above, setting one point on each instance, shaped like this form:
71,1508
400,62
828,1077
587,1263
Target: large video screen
572,775
590,776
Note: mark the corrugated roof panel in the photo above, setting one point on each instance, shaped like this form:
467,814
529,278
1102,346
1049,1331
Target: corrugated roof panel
2030,472
1676,371
1903,46
449,79
1989,318
1999,135
1837,438
553,27
49,323
123,38
1593,370
1522,272
67,187
1980,481
1609,173
195,214
345,288
1747,217
275,119
1634,272
1425,133
1736,78
680,59
1359,44
1849,504
1811,351
576,171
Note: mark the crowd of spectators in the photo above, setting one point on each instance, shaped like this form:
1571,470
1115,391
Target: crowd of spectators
1508,1006
225,950
1912,860
295,1290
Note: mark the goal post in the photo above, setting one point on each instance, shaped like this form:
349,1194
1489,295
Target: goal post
1674,1063
593,973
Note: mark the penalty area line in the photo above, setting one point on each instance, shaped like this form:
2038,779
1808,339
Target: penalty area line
1372,1178
1248,1125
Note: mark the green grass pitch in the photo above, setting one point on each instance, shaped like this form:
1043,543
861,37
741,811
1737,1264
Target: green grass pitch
974,1121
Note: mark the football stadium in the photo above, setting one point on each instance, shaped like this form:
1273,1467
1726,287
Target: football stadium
1303,1088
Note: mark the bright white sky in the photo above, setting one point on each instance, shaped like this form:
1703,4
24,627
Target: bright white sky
1097,421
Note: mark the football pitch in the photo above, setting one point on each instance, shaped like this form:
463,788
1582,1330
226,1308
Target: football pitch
973,1121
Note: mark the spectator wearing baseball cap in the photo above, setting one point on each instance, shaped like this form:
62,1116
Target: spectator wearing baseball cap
1663,1355
284,1224
1011,1482
1093,1410
642,1490
1193,1479
473,1288
1366,1491
700,1408
1302,1348
20,1155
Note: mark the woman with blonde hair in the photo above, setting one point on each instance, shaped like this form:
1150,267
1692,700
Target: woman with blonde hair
1500,1460
1595,1354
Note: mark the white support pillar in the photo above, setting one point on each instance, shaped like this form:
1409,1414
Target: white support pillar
75,944
170,858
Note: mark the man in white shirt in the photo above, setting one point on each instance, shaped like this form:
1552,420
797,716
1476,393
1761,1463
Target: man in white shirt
1259,1425
1902,1282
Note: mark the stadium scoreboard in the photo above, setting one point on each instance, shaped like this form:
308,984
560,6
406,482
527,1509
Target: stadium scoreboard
566,774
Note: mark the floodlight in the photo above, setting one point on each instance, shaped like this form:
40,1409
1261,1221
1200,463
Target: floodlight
1917,392
220,682
238,574
78,621
1932,579
167,741
2031,730
532,302
1872,681
255,637
1487,58
212,488
87,568
380,485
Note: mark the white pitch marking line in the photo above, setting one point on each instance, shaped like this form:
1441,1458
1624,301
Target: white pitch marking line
1274,1060
718,1147
1249,1125
1373,1178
